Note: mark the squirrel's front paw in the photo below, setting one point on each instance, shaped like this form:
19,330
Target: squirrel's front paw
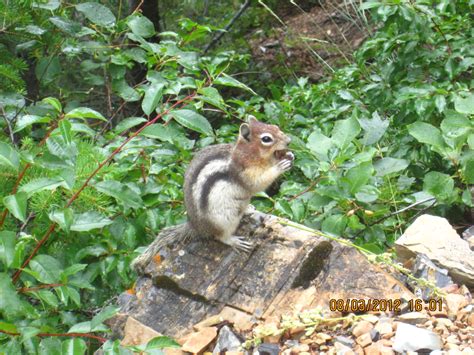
286,163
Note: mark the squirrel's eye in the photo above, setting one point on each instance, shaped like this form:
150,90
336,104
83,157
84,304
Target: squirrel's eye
267,139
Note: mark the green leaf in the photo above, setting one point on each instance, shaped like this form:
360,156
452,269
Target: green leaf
335,224
387,166
9,156
10,303
440,103
129,123
426,133
7,247
373,128
319,144
468,168
104,314
456,125
345,131
359,176
16,204
84,112
465,104
64,219
367,194
161,132
66,25
161,342
123,193
438,185
48,69
50,346
153,95
470,141
212,96
27,120
227,80
9,327
53,102
73,269
73,346
125,91
88,221
82,327
192,120
48,268
65,128
141,26
97,13
41,184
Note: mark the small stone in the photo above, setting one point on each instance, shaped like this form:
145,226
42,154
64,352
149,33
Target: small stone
470,320
197,342
348,342
267,349
411,338
372,350
444,321
242,321
451,346
305,353
413,318
359,350
136,333
364,340
384,326
455,302
342,349
374,335
361,328
301,348
453,339
226,341
208,322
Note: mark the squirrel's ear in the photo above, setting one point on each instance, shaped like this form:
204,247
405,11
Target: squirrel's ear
251,119
245,131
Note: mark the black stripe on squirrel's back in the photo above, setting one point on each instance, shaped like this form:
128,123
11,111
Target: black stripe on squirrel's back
213,179
217,155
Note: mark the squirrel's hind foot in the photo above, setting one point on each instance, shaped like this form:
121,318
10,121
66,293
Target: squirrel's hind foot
238,243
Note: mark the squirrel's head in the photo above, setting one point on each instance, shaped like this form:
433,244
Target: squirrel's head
266,142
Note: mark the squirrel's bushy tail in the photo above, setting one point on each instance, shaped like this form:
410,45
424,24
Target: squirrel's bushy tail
170,235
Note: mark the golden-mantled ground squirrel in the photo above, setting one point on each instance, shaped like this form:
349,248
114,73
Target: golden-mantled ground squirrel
220,182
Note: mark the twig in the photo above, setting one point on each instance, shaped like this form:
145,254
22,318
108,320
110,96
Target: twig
84,185
72,335
37,288
313,184
217,38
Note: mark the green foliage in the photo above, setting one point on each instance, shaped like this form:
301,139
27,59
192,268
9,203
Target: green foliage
393,128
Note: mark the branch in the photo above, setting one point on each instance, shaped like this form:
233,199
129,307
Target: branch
72,335
218,37
52,226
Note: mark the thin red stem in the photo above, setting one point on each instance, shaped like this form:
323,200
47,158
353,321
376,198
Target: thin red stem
84,185
72,335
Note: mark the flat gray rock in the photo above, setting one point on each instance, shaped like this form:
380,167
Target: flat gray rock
411,338
434,237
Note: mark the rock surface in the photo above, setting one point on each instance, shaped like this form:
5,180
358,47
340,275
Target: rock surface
434,237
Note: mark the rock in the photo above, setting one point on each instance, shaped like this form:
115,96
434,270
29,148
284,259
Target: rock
300,348
455,302
411,338
413,318
267,349
342,349
468,233
348,342
226,341
425,269
197,342
434,237
361,328
470,241
374,335
372,318
242,321
208,322
444,321
384,326
470,320
364,340
135,333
